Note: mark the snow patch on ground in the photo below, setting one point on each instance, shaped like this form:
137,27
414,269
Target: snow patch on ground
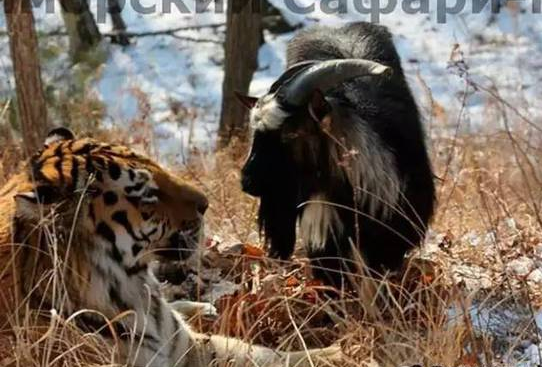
219,290
521,266
510,327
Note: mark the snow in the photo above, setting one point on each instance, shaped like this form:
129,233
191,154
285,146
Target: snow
509,325
219,290
535,276
473,276
521,266
167,70
532,356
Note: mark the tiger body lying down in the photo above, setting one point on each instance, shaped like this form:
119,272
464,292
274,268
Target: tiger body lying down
95,216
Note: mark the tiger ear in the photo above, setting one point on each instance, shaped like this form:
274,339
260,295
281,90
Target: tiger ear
40,195
59,134
29,196
26,205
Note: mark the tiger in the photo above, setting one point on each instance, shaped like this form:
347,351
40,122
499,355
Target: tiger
98,215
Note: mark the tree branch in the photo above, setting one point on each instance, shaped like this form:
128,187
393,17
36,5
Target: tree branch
162,32
171,31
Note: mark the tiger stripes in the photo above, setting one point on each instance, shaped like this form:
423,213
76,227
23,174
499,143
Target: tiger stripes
103,214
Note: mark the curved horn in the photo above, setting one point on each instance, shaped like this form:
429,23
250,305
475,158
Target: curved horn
290,73
326,75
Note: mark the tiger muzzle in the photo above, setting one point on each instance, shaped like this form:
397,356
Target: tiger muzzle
181,245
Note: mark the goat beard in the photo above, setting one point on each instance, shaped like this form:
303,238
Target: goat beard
277,218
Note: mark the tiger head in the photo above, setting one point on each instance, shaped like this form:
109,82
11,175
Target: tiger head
109,197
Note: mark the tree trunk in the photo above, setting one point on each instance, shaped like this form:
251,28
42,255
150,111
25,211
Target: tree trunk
243,39
81,27
119,27
274,21
31,106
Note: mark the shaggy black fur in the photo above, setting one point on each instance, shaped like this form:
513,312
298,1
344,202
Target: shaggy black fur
285,173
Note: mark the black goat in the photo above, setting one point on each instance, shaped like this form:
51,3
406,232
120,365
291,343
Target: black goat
338,146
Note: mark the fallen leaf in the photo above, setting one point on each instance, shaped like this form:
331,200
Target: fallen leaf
292,282
427,279
253,251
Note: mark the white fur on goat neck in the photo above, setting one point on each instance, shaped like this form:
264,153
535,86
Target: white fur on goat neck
267,114
372,170
319,221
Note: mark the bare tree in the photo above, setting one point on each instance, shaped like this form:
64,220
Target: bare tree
274,21
243,39
81,27
31,106
119,26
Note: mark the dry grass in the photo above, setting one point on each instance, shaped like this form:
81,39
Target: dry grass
454,304
42,337
426,315
468,296
396,321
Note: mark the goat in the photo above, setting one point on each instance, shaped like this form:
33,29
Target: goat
338,147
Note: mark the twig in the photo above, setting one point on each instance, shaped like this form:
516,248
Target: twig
167,32
518,151
162,32
196,40
450,157
505,103
4,109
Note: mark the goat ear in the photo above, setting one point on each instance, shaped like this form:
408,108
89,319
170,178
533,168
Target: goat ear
318,106
247,101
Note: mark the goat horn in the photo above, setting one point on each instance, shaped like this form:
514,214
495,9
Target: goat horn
326,75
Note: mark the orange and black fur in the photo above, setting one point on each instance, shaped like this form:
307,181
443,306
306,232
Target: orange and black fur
83,223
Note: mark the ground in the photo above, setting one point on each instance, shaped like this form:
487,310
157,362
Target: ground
473,294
